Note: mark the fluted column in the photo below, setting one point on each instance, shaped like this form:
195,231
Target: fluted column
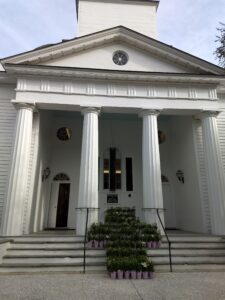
18,179
152,185
214,170
88,186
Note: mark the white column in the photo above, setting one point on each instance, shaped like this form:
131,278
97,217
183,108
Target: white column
152,184
215,172
88,186
17,185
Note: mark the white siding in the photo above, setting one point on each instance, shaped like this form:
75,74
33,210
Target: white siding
7,123
99,15
199,149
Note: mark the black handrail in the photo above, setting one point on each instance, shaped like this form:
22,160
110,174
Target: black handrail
166,235
85,235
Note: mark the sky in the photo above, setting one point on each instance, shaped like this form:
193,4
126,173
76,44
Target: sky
189,25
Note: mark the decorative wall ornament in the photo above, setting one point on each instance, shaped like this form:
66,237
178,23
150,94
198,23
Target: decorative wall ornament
61,177
45,173
120,58
64,134
164,178
180,176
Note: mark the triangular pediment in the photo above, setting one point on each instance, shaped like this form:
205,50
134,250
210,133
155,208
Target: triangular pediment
96,51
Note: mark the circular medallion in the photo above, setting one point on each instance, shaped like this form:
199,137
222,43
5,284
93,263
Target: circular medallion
64,134
120,58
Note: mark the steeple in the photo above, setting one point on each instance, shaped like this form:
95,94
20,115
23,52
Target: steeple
97,15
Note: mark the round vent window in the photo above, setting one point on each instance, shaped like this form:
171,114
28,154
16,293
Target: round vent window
120,58
64,134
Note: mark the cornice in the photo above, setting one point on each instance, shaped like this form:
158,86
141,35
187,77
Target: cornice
98,74
118,34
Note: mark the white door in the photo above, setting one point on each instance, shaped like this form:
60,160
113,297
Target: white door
53,204
169,205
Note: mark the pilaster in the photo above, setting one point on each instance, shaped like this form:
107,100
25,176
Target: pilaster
214,170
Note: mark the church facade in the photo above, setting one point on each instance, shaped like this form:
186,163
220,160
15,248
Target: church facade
113,117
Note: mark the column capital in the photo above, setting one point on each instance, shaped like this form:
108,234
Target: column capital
86,110
207,114
149,112
28,106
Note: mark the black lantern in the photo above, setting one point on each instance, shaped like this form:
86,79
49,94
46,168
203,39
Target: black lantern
45,174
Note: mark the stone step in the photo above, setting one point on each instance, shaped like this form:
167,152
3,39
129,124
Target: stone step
51,260
60,245
191,268
48,239
194,238
190,260
44,268
186,252
195,245
90,251
53,252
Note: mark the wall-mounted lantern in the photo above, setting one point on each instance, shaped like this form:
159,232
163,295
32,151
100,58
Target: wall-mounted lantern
161,137
180,176
45,173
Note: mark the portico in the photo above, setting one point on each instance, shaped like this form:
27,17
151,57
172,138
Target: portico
92,128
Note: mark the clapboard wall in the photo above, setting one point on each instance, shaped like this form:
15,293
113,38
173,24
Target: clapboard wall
7,124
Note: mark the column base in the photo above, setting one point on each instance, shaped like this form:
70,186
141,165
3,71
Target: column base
82,219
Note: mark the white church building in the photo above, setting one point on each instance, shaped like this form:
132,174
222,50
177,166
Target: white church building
113,117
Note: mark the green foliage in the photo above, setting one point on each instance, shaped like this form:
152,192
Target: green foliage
126,239
220,50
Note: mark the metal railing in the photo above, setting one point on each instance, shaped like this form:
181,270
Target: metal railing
166,235
86,229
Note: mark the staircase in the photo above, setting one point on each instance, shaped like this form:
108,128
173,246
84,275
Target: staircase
64,253
190,252
50,253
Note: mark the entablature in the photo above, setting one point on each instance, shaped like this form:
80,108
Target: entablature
149,90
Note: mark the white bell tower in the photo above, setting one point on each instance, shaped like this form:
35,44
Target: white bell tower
97,15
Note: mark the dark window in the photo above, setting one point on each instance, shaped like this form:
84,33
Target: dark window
106,174
129,174
112,170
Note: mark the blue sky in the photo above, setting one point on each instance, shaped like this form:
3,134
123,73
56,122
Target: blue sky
189,25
